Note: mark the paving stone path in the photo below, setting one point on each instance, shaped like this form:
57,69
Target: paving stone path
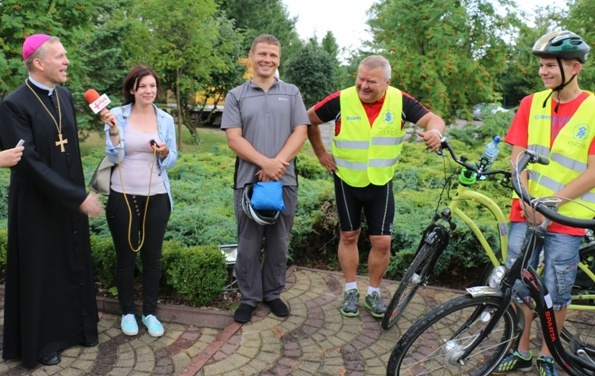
314,340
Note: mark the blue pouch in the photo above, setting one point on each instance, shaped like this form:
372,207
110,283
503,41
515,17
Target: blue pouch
268,196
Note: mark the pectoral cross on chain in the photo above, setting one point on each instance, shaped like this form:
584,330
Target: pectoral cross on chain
61,142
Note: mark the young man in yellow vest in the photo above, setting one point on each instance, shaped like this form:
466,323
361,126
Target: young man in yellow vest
558,123
369,134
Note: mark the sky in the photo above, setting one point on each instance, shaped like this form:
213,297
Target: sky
347,19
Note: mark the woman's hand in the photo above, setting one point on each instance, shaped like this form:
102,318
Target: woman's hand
160,148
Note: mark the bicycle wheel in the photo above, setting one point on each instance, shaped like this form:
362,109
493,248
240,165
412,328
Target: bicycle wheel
433,344
581,323
416,273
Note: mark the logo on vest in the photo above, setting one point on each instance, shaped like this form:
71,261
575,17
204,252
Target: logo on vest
542,117
389,118
580,132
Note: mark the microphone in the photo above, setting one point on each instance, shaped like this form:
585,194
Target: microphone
95,101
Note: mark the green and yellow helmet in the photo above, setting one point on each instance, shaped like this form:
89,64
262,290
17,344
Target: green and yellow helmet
563,44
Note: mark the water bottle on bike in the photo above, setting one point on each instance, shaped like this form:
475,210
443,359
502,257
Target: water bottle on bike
489,155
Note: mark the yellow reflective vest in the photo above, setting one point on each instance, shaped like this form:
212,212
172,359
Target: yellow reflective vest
368,155
568,155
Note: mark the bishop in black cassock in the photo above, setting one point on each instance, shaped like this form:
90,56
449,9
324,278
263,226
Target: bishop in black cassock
50,301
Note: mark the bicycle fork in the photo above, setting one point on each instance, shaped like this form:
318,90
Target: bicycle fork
436,235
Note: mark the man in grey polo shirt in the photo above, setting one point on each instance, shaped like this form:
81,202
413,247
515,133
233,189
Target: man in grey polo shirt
265,122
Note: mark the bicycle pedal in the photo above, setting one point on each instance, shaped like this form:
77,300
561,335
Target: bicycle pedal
581,353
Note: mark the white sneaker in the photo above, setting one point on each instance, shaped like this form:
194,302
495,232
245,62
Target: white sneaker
129,325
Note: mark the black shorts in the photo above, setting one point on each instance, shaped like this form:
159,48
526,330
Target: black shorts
377,202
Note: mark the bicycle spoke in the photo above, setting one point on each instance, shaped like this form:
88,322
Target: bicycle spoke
434,344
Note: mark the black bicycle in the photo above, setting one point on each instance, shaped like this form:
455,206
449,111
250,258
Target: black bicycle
471,334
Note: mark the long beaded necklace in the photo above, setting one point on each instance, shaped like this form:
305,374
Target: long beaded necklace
58,123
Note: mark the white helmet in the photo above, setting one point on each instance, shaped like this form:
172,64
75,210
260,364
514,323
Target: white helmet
262,217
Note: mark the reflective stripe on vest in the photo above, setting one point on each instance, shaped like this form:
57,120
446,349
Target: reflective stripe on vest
568,155
368,155
555,186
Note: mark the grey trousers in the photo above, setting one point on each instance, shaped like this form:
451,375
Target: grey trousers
263,280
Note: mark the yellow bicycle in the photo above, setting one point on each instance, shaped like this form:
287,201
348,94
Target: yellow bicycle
437,235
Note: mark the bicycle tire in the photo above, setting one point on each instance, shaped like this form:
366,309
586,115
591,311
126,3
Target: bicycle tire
408,286
424,351
582,323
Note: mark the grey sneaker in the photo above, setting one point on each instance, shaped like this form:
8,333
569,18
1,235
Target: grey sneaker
375,304
350,300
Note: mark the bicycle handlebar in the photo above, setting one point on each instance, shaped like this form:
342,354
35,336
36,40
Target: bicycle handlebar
532,157
444,144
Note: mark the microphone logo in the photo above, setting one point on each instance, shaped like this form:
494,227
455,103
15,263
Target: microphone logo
100,103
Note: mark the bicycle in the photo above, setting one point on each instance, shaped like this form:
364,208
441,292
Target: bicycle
437,235
435,240
471,334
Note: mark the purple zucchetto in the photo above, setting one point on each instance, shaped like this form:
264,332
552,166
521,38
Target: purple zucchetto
32,43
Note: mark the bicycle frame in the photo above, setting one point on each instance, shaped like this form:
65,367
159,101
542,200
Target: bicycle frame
465,193
580,297
572,364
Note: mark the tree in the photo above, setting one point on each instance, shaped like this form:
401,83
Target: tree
255,17
73,22
580,19
313,72
449,54
521,76
181,38
224,76
330,46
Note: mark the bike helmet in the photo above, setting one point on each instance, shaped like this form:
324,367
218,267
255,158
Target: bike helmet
262,217
563,44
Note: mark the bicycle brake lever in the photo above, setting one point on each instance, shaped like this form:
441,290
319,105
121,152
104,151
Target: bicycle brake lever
505,182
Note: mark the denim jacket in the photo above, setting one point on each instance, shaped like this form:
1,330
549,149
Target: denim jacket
167,133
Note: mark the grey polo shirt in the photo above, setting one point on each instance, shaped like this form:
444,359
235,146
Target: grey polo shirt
267,120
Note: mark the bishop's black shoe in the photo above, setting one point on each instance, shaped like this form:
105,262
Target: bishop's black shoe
93,343
50,360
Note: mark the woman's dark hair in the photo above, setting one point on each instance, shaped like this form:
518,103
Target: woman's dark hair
132,81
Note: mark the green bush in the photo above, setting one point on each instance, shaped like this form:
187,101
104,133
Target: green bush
104,261
496,124
197,273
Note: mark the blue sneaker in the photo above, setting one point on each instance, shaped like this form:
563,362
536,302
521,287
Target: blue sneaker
514,362
129,325
546,366
153,326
